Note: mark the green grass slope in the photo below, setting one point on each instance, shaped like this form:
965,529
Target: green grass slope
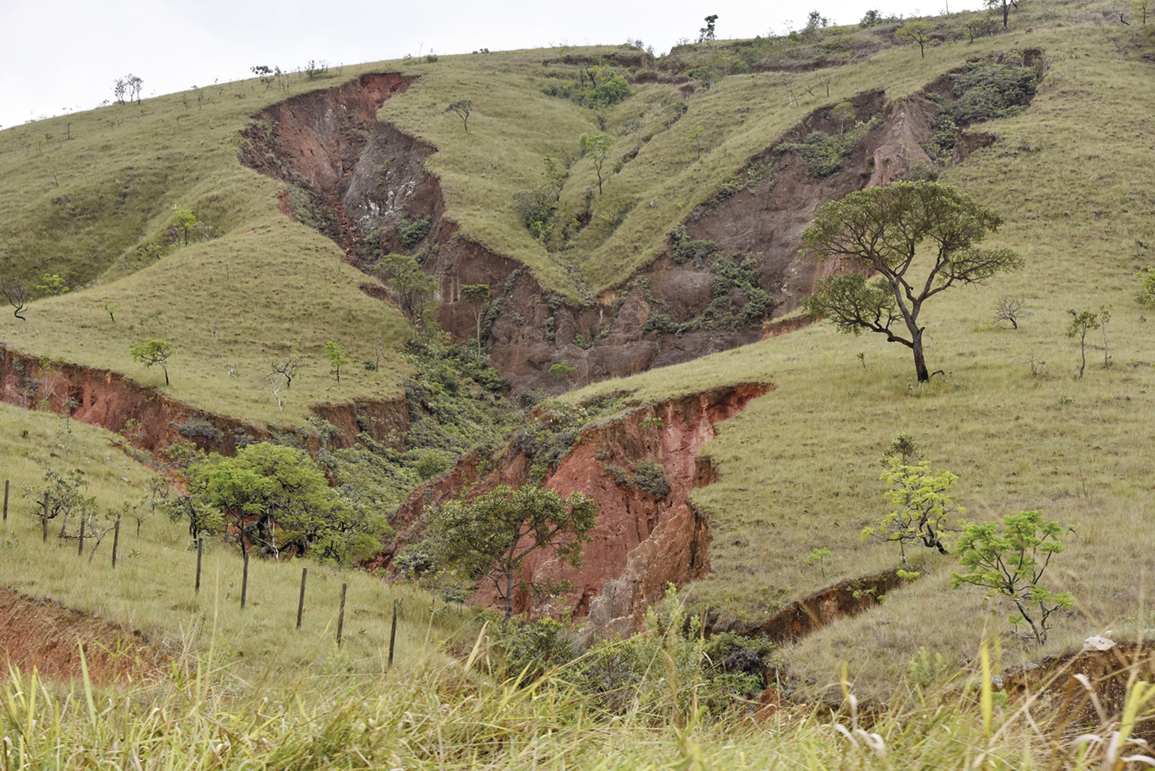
800,466
151,588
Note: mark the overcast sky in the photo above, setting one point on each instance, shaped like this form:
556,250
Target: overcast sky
65,55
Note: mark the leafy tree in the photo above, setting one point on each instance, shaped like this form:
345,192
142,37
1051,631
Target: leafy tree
904,448
278,498
1002,5
52,284
984,26
562,370
871,18
266,74
156,498
881,228
922,505
816,556
1082,322
128,88
843,112
1145,295
152,352
463,107
413,287
597,147
814,22
490,536
916,31
336,356
110,307
1011,564
476,295
16,293
65,496
186,222
695,135
706,34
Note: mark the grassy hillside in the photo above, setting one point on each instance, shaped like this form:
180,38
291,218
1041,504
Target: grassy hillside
800,466
91,197
152,587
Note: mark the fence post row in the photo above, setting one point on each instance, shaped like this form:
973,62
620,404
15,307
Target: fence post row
341,615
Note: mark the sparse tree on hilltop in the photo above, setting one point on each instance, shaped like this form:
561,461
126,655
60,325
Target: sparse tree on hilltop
916,31
706,34
881,229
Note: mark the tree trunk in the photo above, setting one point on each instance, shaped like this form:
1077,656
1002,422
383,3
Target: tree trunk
509,595
919,358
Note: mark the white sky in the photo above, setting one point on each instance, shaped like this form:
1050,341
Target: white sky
60,56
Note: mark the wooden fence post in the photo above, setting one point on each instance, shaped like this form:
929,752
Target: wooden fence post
200,551
301,602
245,579
5,500
393,630
44,519
115,542
80,550
341,615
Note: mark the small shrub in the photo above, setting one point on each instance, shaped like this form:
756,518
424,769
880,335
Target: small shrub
651,478
413,232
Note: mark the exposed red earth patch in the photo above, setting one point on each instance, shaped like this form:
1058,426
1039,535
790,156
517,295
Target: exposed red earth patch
44,635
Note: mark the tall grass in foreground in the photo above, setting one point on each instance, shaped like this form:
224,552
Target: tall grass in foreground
454,717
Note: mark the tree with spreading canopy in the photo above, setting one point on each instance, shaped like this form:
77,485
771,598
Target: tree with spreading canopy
490,536
880,230
152,352
916,31
277,498
412,285
1009,561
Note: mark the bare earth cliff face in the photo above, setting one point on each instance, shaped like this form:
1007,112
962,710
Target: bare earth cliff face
362,182
642,541
152,421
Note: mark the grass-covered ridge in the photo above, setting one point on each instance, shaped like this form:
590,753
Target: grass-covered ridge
800,468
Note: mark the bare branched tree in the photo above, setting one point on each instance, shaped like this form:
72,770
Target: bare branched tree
16,292
1010,309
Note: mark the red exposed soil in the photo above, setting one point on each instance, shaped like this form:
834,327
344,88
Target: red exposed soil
1054,685
641,541
810,614
153,421
45,635
361,181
